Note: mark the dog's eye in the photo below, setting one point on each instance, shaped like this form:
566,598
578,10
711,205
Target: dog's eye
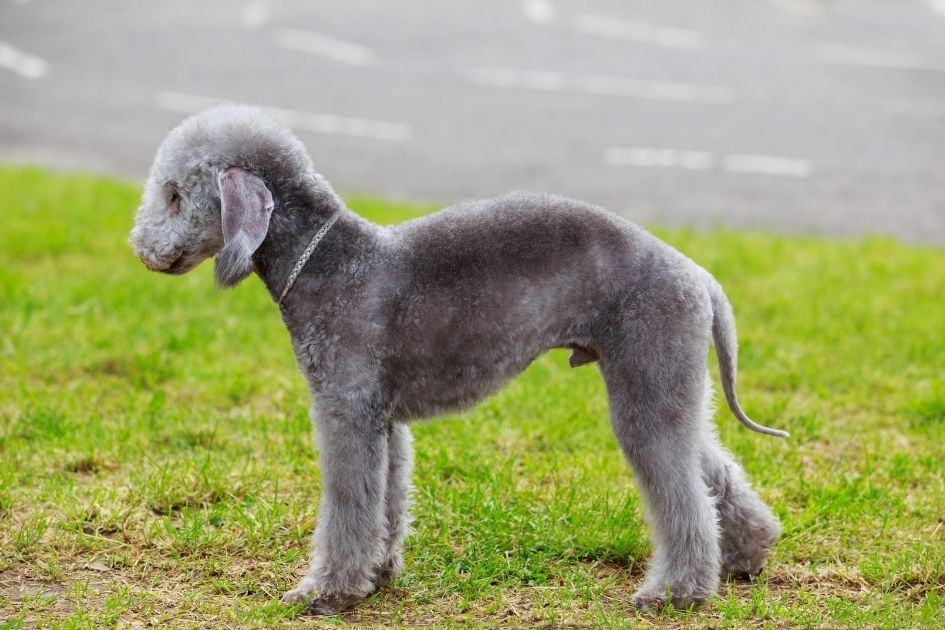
173,201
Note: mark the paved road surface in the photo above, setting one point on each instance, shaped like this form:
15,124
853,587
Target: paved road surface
810,116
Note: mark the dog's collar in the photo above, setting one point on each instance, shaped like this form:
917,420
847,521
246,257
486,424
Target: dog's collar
300,263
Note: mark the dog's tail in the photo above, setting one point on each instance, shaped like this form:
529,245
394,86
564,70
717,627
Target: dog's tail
725,340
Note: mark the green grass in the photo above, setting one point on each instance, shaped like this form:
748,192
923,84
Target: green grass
156,461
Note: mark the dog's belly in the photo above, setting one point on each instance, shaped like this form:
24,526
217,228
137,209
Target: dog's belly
428,386
453,361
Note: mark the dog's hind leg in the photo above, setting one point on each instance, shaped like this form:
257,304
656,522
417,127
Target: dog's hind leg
655,408
348,543
400,469
748,527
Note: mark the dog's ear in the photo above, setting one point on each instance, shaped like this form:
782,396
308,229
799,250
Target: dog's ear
245,206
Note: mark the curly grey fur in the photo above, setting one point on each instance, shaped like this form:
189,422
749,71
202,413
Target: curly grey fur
391,324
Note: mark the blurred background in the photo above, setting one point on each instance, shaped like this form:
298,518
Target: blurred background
156,467
802,116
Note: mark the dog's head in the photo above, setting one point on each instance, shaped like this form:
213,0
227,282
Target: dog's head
208,195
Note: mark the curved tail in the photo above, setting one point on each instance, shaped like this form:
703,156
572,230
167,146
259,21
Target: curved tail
725,340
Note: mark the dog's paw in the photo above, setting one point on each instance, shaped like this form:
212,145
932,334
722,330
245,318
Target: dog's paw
301,593
741,574
653,600
744,563
391,568
332,604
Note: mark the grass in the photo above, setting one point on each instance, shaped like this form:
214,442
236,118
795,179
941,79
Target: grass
156,461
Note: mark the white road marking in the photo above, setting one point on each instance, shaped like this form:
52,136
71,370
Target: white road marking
938,6
24,64
874,58
539,11
303,121
648,157
613,28
325,46
602,85
254,14
767,165
660,158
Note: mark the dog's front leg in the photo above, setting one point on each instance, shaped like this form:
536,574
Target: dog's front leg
400,456
349,541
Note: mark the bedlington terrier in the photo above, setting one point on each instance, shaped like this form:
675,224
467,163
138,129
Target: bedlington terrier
392,324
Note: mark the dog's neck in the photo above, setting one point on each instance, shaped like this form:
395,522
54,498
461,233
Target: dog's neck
299,213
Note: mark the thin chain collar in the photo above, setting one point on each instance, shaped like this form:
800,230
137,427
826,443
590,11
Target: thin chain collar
300,263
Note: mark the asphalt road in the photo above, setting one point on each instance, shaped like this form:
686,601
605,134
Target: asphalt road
805,116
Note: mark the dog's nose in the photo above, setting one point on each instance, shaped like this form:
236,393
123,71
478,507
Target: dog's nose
151,266
155,263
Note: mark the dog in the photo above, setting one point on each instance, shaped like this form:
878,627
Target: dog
393,324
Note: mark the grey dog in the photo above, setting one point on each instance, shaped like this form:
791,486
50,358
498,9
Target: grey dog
391,324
